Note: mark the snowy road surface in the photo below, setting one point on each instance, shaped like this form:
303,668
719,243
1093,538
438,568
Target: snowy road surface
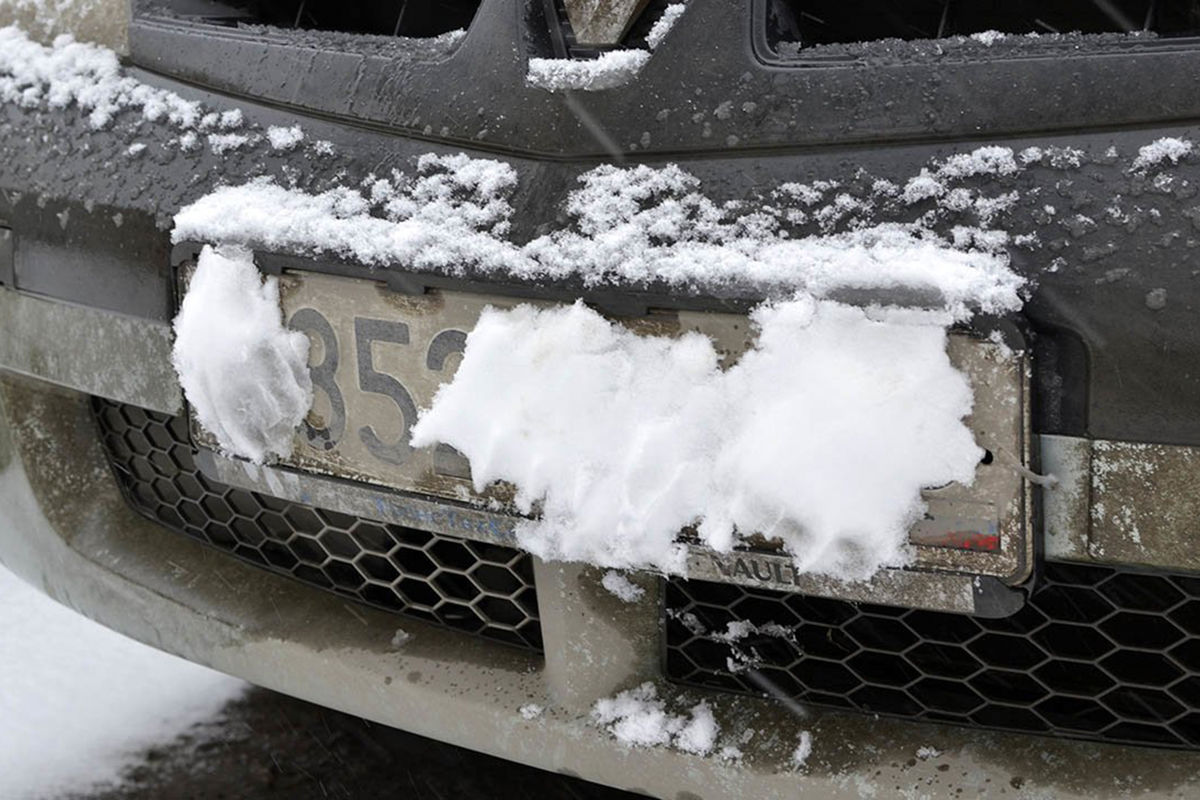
78,702
87,713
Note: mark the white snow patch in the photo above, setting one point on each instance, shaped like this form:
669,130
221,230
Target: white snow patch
929,185
803,749
1167,148
628,226
222,143
731,753
843,205
628,439
922,187
987,208
611,69
691,622
400,637
87,75
925,752
662,26
637,717
452,38
621,587
1065,157
982,161
530,711
1031,155
700,734
808,194
79,702
737,630
884,188
245,376
988,38
282,138
988,240
222,120
135,149
957,199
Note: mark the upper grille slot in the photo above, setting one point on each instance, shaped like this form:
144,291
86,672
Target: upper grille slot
815,22
408,18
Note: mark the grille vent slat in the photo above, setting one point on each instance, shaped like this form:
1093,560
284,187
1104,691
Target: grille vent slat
409,18
806,23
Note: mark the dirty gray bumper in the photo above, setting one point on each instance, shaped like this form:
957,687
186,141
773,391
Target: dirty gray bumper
65,528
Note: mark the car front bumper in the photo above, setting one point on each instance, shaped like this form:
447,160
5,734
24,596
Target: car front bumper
65,528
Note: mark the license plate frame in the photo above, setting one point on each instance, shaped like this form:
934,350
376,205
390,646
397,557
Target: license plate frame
365,316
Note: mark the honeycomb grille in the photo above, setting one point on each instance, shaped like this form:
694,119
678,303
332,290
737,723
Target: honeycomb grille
1097,653
476,587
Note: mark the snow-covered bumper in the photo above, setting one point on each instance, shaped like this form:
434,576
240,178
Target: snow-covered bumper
67,528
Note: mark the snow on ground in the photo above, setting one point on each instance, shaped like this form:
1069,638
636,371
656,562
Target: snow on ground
822,435
78,702
245,376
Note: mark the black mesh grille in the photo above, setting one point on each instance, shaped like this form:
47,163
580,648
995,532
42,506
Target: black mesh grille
1098,653
472,586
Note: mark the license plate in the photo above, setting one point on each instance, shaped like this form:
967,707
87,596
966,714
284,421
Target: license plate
378,356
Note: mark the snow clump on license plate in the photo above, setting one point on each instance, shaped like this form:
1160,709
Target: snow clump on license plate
245,375
821,436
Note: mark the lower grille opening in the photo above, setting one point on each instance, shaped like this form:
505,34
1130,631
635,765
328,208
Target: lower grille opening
475,587
409,18
1098,652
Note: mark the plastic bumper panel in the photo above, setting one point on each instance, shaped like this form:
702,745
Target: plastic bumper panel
65,528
